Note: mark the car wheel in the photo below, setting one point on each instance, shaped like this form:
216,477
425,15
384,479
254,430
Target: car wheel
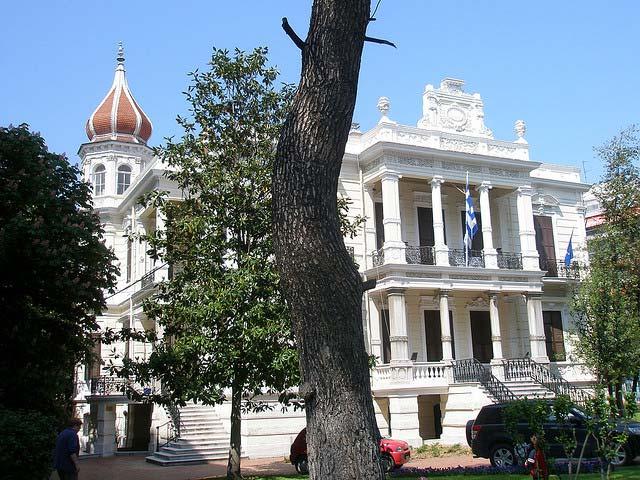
302,466
621,457
387,463
502,456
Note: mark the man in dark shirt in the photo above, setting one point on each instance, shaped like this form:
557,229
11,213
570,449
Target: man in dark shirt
67,451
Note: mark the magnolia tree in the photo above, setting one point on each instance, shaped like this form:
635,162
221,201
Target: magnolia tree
226,325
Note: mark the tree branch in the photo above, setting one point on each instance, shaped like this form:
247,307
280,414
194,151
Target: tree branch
379,40
369,284
292,34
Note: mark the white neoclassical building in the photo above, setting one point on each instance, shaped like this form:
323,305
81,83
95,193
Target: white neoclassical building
451,331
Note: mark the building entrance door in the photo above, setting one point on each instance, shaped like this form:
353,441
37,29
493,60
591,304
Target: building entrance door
481,336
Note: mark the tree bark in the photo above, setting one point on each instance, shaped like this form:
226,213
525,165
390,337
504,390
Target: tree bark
319,279
235,448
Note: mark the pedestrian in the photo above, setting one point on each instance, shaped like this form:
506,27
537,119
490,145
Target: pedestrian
537,461
67,451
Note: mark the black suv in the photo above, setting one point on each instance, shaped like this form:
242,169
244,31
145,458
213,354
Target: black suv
488,437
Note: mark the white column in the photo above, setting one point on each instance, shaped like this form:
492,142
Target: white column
527,230
490,254
374,329
445,330
441,249
369,225
105,443
536,328
405,421
496,338
398,327
393,247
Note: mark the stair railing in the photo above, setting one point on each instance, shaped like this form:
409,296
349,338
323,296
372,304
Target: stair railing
471,370
174,418
170,434
526,368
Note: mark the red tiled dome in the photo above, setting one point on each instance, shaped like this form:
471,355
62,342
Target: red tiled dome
118,116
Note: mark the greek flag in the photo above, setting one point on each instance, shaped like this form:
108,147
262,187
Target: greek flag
569,255
471,224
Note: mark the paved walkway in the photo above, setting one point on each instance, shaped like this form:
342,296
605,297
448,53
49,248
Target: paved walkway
136,468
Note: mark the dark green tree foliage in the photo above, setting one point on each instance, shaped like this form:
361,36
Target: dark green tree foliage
54,268
226,325
607,304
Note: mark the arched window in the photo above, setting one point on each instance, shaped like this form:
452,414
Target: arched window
99,174
124,178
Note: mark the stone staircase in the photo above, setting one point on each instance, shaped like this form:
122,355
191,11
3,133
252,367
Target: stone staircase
529,389
202,439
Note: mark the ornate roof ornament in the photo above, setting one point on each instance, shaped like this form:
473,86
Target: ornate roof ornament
450,109
118,116
520,128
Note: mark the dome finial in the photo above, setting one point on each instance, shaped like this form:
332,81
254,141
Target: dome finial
120,57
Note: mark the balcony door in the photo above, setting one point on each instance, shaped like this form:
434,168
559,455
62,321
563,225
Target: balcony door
554,335
545,245
481,336
433,335
386,334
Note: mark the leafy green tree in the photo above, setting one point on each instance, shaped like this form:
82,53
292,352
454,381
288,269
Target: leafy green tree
226,325
54,268
607,304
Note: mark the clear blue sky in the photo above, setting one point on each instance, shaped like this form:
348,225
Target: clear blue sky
569,68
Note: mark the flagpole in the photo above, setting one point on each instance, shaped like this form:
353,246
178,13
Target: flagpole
466,230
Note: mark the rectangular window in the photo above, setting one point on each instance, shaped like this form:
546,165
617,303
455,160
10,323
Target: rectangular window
554,335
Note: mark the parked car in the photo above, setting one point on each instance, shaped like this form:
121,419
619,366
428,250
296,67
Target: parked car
394,453
488,437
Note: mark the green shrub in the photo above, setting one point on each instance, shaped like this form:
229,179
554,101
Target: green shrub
27,441
438,450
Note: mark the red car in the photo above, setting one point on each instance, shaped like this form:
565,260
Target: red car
394,453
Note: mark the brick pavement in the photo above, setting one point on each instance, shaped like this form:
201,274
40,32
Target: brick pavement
134,467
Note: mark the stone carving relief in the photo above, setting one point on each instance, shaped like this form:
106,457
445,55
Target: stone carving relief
479,302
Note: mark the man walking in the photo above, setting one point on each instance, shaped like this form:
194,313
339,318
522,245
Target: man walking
67,451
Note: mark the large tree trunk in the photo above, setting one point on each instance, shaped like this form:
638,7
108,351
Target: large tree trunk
319,278
235,447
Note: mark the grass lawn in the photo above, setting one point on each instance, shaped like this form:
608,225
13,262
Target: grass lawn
627,473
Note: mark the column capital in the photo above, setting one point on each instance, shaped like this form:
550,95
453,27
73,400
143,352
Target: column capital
493,294
484,186
394,176
525,191
532,296
396,291
369,188
437,180
444,292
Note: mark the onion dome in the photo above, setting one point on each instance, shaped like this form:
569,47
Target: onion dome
118,116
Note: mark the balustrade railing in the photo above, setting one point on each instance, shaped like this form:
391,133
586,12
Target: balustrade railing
148,279
471,370
558,269
475,258
528,369
510,261
106,385
420,255
377,258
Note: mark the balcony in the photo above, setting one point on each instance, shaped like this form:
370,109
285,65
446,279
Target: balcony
423,374
425,255
106,385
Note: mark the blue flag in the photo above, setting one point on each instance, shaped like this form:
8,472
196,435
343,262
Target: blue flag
569,255
471,224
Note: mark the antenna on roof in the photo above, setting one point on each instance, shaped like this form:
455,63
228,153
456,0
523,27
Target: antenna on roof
120,57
